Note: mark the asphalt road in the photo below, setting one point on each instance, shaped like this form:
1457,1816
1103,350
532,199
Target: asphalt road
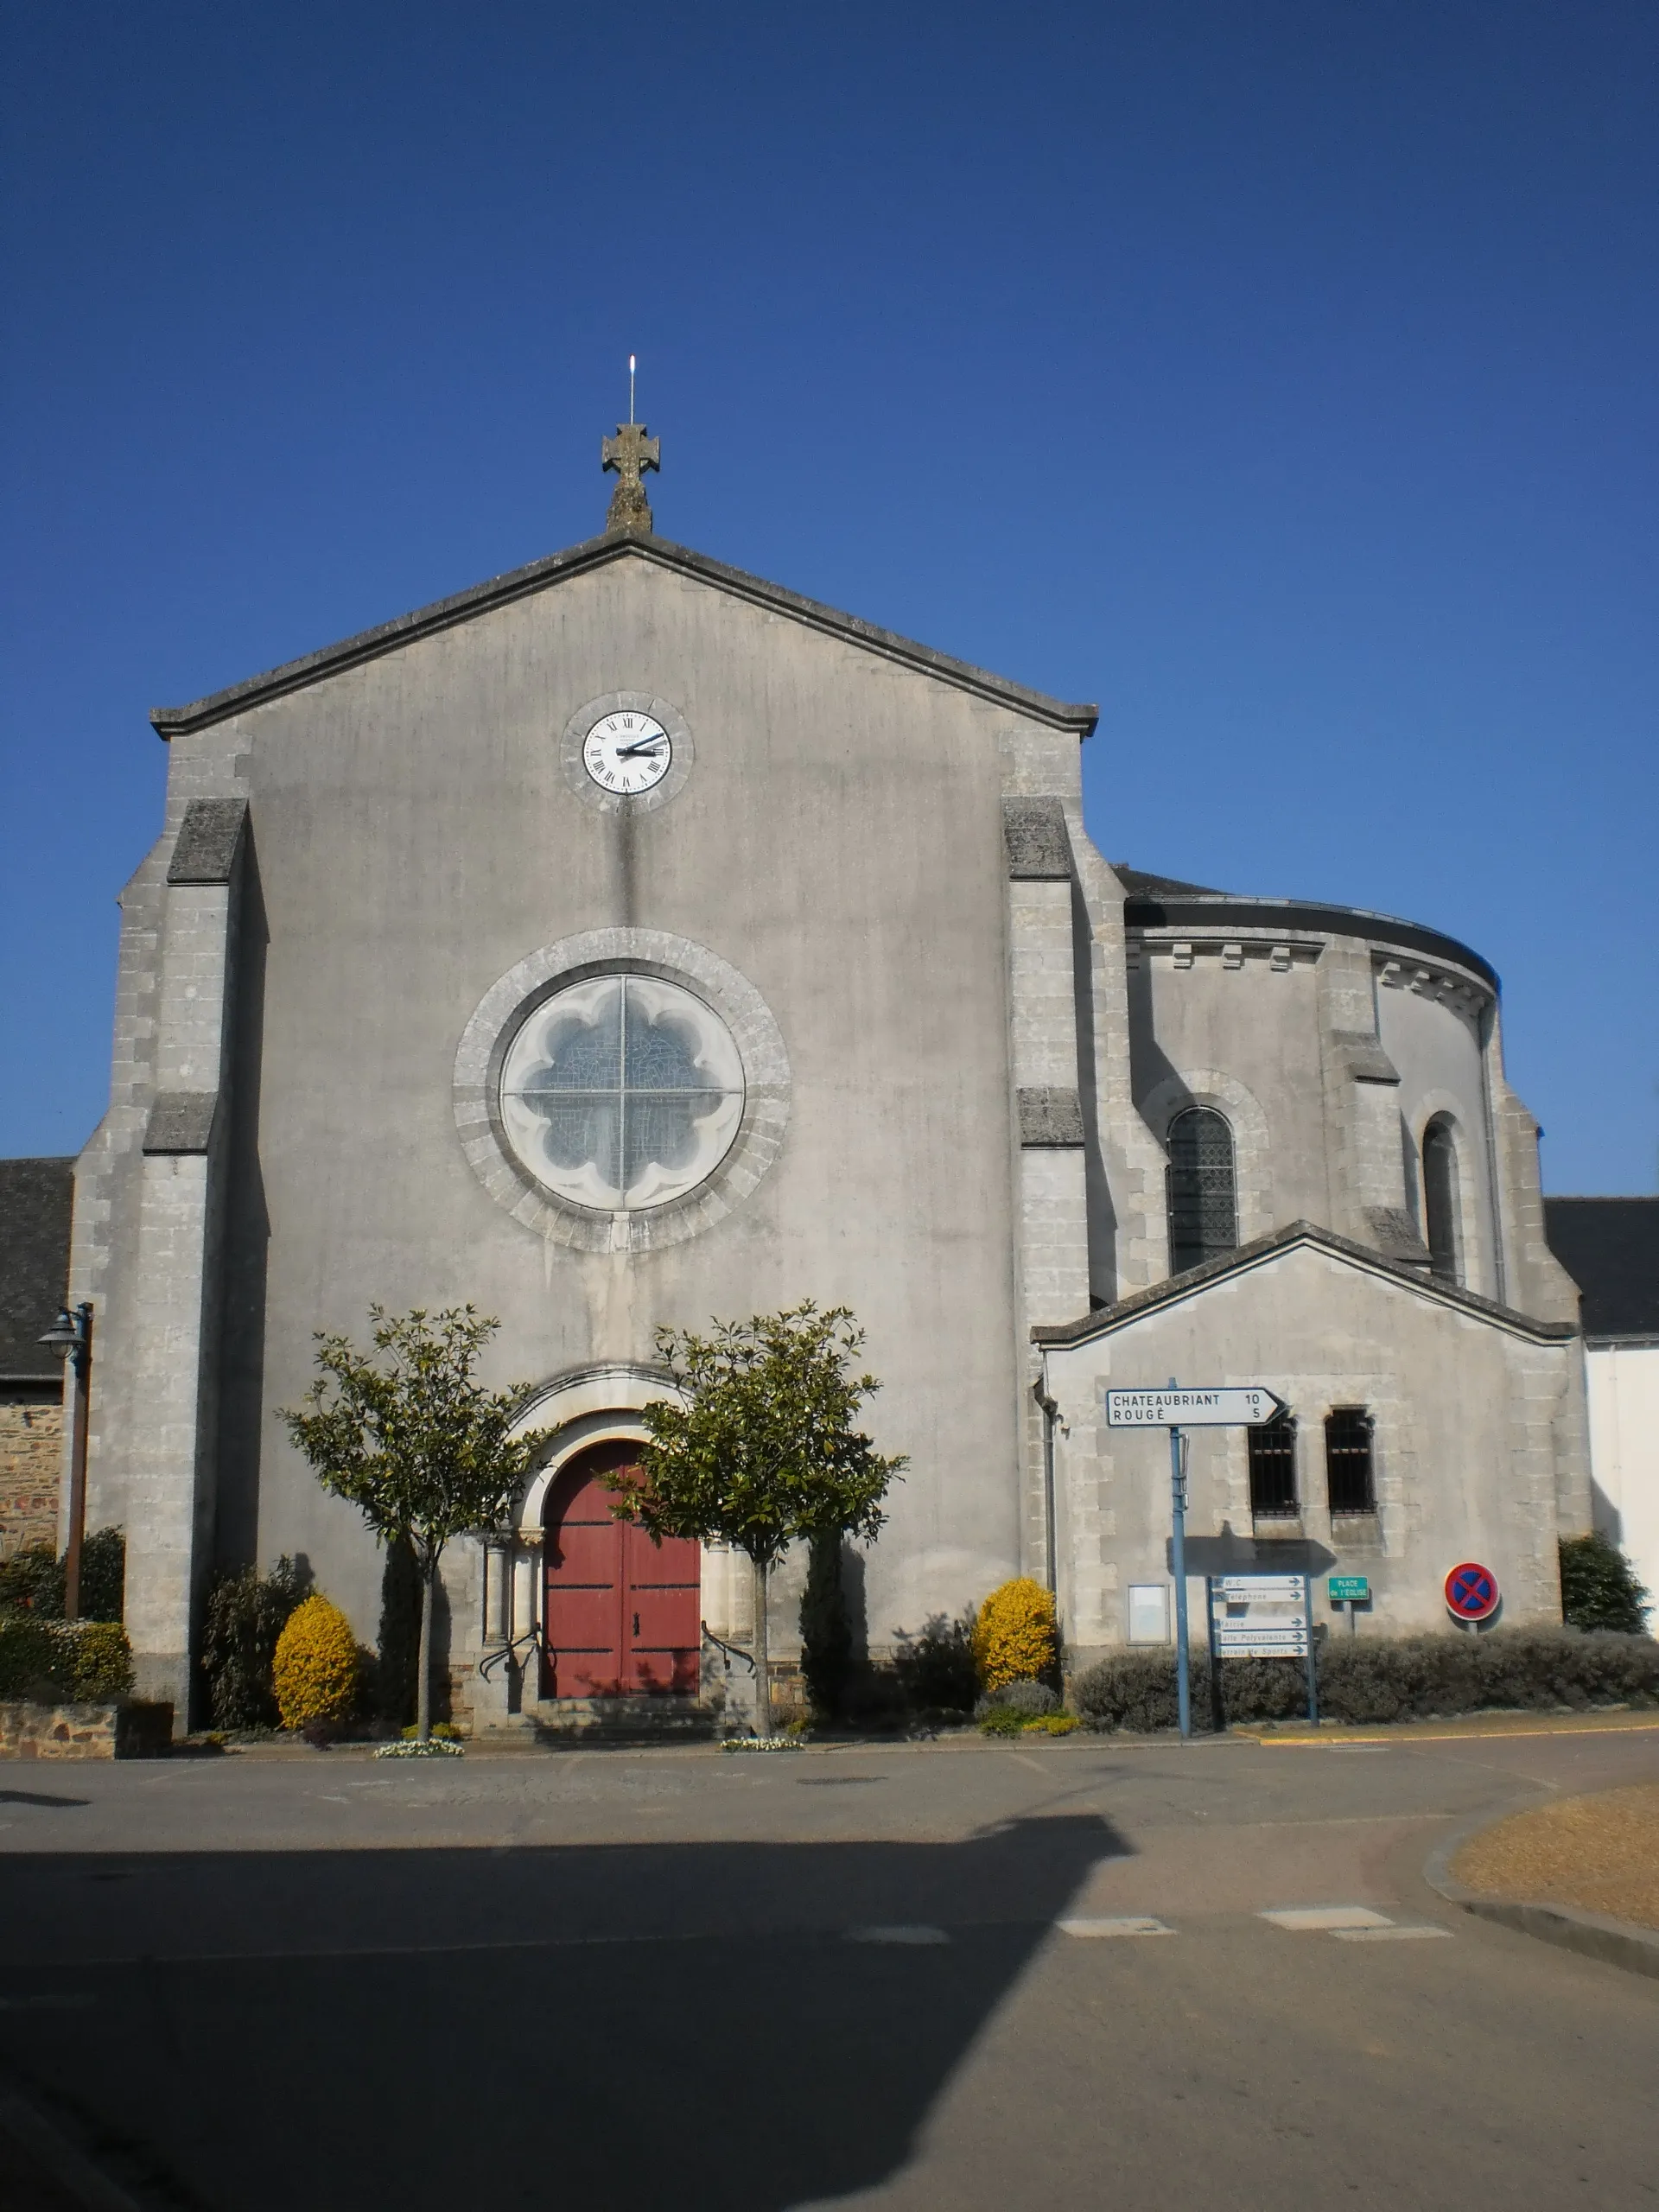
864,1977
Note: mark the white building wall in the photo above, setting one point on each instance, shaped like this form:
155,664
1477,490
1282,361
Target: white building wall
1622,1382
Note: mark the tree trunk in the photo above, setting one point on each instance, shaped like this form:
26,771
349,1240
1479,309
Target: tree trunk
423,1679
762,1656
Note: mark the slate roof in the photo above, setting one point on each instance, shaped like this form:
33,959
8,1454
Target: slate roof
1164,902
1611,1248
595,553
35,1196
1107,1319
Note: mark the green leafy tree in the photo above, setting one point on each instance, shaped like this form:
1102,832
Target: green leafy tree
411,1439
1599,1587
761,1448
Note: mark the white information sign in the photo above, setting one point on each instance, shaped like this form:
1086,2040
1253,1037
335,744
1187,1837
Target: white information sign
1259,1616
1246,1406
1261,1589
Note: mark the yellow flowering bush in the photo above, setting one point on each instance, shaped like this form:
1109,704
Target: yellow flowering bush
1014,1637
315,1672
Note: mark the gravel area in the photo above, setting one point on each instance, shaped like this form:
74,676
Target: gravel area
1599,1853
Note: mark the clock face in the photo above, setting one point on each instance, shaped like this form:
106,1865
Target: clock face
628,751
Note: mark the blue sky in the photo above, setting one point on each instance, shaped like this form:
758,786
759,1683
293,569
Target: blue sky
1280,376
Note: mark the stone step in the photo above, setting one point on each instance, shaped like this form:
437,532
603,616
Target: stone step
619,1720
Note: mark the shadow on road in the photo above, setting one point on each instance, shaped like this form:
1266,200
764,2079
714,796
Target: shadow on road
643,2025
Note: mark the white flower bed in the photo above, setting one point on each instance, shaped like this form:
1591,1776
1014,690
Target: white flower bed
760,1743
436,1748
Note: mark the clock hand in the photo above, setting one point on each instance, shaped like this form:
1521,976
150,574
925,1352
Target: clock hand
645,745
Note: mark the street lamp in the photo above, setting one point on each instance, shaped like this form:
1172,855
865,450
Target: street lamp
71,1335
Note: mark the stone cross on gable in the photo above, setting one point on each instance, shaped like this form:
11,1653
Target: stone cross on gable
630,453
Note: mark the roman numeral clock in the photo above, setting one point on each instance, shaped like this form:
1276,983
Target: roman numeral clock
627,750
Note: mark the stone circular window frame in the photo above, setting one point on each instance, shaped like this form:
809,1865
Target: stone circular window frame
626,703
507,1004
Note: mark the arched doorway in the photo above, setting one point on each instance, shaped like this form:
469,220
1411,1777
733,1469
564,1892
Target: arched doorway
622,1614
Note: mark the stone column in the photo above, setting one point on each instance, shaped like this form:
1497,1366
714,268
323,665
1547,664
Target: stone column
1051,1189
170,1452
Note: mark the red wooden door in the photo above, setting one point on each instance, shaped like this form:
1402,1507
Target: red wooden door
623,1614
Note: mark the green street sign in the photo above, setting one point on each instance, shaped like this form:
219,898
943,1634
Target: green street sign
1350,1590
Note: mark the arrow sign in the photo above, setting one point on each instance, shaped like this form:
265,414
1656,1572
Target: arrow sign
1245,1407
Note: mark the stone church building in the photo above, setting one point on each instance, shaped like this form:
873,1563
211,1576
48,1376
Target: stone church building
628,941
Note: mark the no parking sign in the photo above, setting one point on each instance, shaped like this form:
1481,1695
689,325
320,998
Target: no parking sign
1472,1593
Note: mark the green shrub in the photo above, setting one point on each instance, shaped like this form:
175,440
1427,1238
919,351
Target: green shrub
97,1659
935,1668
826,1629
1002,1720
103,1576
33,1580
76,1661
30,1658
1365,1680
1031,1701
1599,1587
246,1613
874,1698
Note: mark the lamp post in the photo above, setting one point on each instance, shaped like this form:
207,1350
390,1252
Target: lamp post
71,1334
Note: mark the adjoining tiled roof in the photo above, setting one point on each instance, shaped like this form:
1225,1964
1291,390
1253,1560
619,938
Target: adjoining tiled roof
36,1198
1611,1248
1107,1319
1164,902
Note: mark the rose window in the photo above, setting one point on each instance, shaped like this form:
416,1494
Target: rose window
622,1092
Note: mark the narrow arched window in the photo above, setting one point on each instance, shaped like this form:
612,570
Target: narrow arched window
1203,1205
1440,1200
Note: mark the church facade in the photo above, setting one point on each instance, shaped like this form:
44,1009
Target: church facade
629,942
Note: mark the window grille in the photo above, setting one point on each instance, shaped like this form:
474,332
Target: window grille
1203,1204
1272,1466
1440,1200
1348,1474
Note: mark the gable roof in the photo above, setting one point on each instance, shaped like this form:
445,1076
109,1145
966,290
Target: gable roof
1611,1248
35,1199
579,559
1264,1248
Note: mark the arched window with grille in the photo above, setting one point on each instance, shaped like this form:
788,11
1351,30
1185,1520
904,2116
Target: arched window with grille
1440,1207
1202,1201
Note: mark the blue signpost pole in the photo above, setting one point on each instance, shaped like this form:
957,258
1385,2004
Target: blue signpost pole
1177,1547
1313,1655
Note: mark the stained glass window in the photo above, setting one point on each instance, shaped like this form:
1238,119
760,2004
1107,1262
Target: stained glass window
1203,1208
622,1092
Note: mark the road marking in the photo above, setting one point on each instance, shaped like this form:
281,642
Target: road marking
1451,1735
918,1934
1386,1935
1325,1919
1128,1924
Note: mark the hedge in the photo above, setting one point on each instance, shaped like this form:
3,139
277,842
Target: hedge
82,1662
1362,1679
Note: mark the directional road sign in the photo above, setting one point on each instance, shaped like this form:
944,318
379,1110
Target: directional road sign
1245,1407
1471,1591
1259,1589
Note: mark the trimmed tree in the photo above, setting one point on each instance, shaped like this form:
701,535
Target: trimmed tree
415,1442
761,1449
